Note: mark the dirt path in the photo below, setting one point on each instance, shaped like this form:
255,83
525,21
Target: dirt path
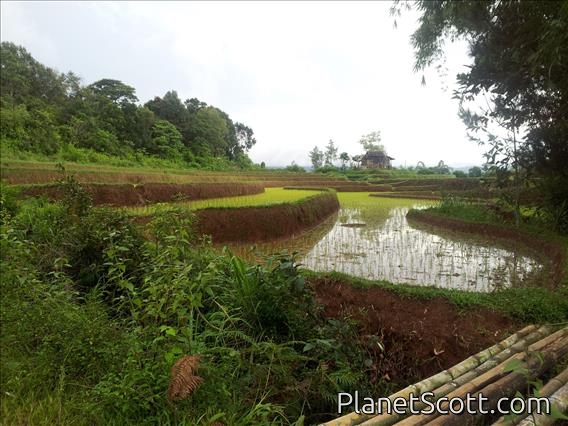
418,337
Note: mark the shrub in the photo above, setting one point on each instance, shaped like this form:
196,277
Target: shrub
94,317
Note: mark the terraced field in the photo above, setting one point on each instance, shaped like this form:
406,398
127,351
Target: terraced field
271,196
367,238
34,173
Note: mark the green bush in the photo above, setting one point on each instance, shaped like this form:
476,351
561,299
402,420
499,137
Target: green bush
53,347
94,316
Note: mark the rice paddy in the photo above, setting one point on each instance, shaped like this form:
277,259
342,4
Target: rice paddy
372,239
270,196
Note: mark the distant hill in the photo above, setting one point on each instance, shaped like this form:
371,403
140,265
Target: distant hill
53,114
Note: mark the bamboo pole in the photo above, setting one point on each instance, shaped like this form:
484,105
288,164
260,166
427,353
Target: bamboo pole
440,378
521,345
507,386
494,375
541,344
470,387
546,391
559,400
554,384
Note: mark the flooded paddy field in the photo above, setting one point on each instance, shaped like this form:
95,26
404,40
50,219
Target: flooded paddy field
371,238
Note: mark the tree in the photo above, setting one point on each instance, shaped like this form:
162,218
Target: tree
193,105
43,111
115,91
142,129
520,62
201,128
166,140
245,136
209,133
85,131
357,159
293,167
316,157
442,168
344,157
112,103
372,142
172,109
475,171
25,80
330,154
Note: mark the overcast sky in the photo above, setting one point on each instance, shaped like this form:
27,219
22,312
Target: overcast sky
297,73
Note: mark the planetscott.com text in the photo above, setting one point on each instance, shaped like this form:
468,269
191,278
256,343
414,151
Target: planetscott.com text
427,404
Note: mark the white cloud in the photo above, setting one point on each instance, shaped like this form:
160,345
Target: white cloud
298,73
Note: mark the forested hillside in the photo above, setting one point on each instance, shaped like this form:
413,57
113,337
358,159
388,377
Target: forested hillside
49,113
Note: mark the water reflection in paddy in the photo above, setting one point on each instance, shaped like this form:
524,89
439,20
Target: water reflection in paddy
399,253
371,238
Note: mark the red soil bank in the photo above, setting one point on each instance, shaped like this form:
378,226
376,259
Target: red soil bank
148,193
418,196
419,337
265,223
458,183
344,187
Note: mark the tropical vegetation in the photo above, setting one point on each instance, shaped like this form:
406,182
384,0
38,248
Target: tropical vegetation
514,95
52,114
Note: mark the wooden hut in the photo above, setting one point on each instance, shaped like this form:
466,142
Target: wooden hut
376,160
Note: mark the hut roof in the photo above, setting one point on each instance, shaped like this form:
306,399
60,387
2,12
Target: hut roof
376,155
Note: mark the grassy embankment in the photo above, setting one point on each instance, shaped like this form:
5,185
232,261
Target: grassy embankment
38,172
82,156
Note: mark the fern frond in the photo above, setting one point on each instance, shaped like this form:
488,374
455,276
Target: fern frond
184,381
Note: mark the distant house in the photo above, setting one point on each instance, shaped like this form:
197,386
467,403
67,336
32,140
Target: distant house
376,160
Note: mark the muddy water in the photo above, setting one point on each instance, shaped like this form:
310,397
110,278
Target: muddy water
373,240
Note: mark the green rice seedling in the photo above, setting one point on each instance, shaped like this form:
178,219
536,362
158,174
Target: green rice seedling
271,196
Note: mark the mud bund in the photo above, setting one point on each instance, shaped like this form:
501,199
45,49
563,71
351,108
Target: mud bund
257,224
148,193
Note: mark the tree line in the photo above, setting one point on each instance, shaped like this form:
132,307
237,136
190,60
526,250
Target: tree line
44,111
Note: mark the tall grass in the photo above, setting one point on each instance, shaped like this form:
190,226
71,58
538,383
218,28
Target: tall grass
465,209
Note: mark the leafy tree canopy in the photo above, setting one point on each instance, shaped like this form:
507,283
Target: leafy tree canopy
43,111
316,158
114,90
24,78
171,108
330,154
517,80
372,142
520,62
